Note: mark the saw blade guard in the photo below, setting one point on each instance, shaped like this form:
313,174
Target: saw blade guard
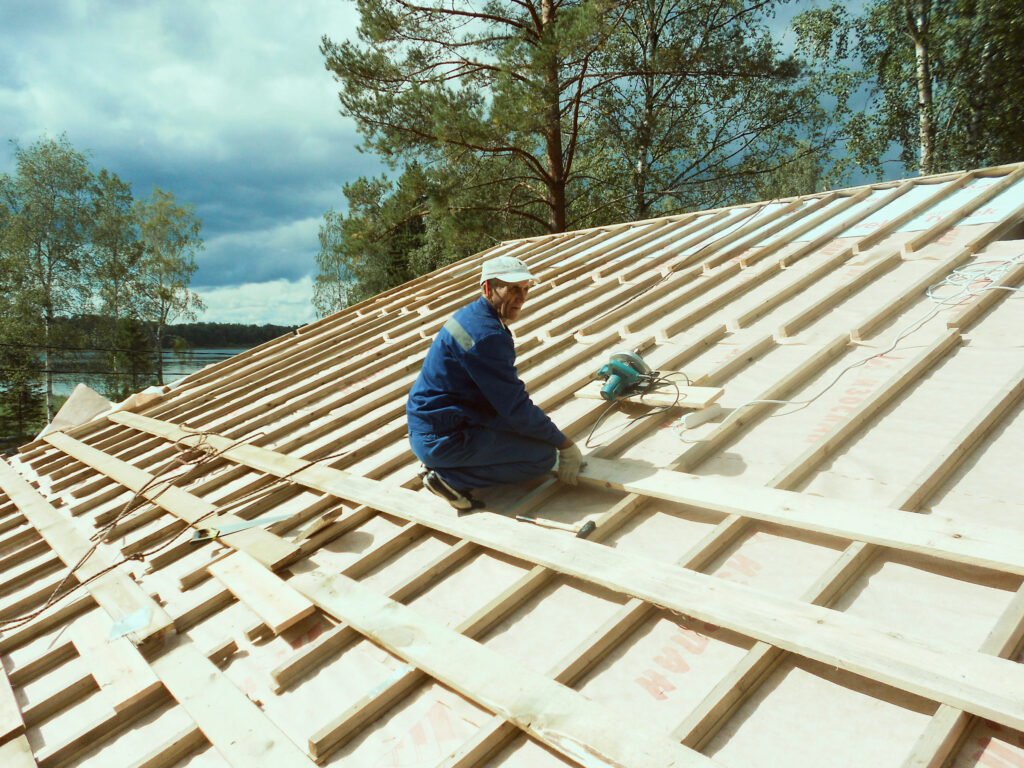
622,373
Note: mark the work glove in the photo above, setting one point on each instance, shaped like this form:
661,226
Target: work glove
570,461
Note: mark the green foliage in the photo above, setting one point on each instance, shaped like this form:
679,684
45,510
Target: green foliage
22,404
701,105
45,239
520,118
944,80
118,275
169,236
210,335
453,87
74,243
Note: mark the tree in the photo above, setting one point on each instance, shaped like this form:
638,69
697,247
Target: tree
331,287
531,116
982,69
21,397
944,79
449,84
45,240
118,262
169,234
698,103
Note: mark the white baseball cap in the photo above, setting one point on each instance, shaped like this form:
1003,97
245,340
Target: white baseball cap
507,268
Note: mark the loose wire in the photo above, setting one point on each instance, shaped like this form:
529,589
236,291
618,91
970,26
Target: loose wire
963,279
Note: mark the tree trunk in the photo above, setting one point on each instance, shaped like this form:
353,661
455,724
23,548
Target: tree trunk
160,354
46,269
48,366
646,133
917,26
553,131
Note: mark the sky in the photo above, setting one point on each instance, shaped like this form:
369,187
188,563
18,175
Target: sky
224,103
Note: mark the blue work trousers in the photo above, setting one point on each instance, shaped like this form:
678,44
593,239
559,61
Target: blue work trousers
476,457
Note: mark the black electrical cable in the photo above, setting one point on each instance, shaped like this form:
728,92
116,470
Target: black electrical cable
648,383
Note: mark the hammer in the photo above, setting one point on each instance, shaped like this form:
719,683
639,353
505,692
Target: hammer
581,531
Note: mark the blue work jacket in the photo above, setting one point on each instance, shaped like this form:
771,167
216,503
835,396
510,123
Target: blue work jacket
469,378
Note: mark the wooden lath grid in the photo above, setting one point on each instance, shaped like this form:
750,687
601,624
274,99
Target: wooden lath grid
640,265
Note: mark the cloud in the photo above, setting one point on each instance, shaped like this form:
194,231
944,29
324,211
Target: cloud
279,302
285,250
225,104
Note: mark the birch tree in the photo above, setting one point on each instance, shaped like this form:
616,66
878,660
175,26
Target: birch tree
169,234
45,242
943,79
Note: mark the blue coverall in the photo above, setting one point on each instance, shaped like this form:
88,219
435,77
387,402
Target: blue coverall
470,417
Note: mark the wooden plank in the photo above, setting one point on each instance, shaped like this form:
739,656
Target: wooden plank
72,691
119,669
54,656
59,614
173,750
29,572
17,753
741,418
834,298
983,685
837,229
954,218
561,718
570,669
753,242
963,444
799,468
847,200
783,294
909,295
989,298
340,729
997,231
241,733
312,656
37,594
665,396
101,727
949,725
11,721
267,548
704,721
262,592
114,590
20,545
970,543
912,213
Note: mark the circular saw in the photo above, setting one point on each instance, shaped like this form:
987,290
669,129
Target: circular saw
624,374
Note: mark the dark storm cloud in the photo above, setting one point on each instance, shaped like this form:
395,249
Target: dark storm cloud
227,105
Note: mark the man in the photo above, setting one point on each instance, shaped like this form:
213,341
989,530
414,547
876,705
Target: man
471,421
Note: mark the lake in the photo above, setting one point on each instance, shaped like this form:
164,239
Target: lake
176,366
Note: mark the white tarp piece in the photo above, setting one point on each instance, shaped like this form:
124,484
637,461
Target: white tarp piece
84,404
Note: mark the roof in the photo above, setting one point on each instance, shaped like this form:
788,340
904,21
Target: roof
821,566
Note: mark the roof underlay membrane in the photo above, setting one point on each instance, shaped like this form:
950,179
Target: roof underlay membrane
821,567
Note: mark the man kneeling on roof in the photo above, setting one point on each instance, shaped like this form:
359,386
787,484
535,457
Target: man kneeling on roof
471,421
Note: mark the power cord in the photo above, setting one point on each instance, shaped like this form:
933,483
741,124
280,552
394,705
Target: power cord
648,384
963,279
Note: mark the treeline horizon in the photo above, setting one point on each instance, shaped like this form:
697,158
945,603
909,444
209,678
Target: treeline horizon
76,242
196,335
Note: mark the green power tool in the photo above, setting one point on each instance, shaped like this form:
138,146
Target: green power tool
625,374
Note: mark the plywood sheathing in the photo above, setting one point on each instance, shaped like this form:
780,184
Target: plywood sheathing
806,574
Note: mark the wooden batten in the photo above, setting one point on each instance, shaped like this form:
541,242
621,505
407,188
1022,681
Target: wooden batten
837,542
